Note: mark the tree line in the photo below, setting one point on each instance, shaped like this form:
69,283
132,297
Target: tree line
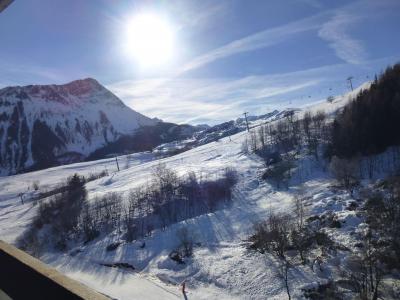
166,199
362,141
369,123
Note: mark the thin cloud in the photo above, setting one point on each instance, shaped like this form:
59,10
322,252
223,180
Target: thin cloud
12,74
201,16
216,100
199,100
335,32
258,102
262,39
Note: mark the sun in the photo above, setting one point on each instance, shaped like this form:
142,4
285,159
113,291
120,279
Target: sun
149,40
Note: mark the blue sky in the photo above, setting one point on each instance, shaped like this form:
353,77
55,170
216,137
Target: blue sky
230,56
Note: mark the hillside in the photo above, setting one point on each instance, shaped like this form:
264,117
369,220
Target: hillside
368,124
222,266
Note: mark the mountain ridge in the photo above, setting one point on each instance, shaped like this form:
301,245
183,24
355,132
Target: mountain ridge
45,125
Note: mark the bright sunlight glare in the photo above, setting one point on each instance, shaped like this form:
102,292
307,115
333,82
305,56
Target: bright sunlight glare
149,40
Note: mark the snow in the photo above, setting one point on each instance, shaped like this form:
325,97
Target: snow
222,267
101,116
338,102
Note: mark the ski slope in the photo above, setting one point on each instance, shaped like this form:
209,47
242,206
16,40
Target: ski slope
221,268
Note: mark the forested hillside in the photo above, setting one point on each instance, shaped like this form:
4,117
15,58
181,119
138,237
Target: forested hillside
369,124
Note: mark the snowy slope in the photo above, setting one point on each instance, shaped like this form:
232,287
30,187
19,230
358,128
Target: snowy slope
60,122
221,268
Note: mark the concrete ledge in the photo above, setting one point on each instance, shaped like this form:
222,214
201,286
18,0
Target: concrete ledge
4,4
25,277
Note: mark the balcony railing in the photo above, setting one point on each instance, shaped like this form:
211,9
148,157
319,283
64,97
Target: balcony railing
24,277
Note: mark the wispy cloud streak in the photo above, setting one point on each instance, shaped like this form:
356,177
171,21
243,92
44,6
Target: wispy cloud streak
262,39
335,32
18,73
211,100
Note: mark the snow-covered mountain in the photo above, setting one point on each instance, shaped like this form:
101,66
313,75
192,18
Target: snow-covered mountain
42,125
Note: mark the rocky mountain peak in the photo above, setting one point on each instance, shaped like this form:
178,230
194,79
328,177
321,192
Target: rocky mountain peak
78,117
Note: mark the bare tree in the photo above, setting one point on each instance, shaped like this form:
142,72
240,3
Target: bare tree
273,235
245,146
35,185
280,172
283,272
307,119
364,275
301,237
319,120
299,211
261,136
186,241
130,226
346,171
253,141
88,223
